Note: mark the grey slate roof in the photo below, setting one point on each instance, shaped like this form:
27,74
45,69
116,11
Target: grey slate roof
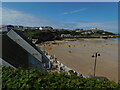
20,52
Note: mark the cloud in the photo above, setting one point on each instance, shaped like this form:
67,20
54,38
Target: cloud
15,17
75,11
109,26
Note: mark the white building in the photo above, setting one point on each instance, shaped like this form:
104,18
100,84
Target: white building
93,28
45,28
66,35
19,28
79,31
4,28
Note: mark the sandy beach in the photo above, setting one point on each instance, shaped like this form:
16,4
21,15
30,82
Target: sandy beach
77,54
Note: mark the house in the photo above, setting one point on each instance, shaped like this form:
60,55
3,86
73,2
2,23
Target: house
86,32
31,28
4,28
45,28
79,30
93,28
19,28
18,51
26,28
36,28
66,35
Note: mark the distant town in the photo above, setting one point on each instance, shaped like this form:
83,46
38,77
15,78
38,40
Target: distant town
40,32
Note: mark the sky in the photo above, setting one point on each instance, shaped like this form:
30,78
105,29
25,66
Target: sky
67,15
60,0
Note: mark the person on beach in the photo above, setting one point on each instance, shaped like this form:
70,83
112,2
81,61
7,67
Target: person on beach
75,73
78,74
69,46
81,75
70,51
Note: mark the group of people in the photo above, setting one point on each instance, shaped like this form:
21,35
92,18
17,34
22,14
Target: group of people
61,67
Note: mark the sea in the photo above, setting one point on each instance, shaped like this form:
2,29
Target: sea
115,40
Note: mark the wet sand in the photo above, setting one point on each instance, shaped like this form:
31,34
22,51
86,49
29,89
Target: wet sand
77,54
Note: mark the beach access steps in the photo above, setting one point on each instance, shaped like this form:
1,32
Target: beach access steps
59,64
54,62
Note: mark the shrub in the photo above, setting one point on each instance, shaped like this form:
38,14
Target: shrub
20,79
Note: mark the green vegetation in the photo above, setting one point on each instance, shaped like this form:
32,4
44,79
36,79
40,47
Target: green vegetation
106,32
55,34
42,35
22,79
3,32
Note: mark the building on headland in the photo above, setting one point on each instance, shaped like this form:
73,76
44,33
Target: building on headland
18,51
45,28
93,28
86,32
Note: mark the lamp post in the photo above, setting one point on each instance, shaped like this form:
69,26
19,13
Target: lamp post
95,55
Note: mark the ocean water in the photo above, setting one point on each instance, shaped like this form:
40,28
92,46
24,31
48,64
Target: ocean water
105,41
114,40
